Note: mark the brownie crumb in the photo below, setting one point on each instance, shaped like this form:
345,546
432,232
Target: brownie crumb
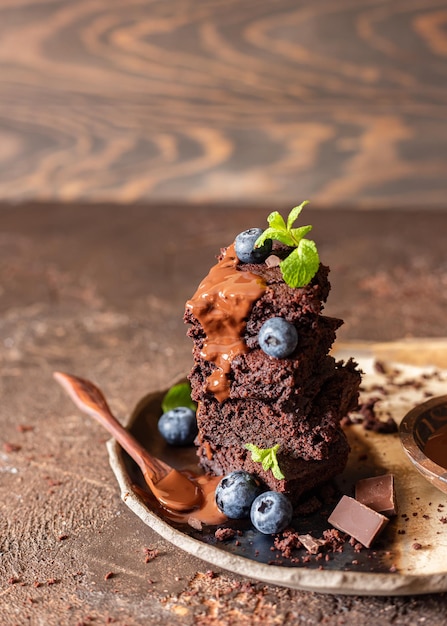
11,447
222,534
379,367
150,554
109,575
24,428
370,421
286,542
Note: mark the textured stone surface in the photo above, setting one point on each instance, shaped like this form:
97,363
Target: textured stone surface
99,291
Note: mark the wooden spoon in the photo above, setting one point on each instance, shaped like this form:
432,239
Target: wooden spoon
172,489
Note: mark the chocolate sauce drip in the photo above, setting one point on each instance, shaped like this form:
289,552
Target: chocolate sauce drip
222,304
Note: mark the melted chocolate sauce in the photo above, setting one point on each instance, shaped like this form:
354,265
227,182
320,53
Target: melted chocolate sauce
206,513
222,304
436,447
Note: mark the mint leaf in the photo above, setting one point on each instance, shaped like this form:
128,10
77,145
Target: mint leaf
301,265
275,220
178,395
256,453
299,233
294,213
279,235
267,457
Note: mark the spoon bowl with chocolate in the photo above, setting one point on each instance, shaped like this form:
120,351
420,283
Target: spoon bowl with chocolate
173,489
423,433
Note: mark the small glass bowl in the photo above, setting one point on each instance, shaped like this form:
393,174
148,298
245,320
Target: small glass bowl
415,429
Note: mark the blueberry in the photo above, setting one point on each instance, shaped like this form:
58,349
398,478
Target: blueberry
271,512
178,426
236,492
278,337
245,250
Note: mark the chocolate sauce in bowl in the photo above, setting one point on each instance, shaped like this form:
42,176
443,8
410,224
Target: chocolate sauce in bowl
436,447
222,304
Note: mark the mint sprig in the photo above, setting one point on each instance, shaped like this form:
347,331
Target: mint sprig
301,265
266,456
178,395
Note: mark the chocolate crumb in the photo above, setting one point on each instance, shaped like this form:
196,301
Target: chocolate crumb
370,421
311,544
150,554
195,523
272,260
379,367
109,575
222,534
11,447
24,428
416,546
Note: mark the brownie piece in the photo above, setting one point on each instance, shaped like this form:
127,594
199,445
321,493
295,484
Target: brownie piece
246,396
301,475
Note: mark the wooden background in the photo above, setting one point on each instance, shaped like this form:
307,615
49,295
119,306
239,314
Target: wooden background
257,101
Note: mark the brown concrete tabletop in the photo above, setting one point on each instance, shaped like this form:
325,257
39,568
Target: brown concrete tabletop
99,291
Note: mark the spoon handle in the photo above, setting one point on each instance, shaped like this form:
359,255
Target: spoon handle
90,400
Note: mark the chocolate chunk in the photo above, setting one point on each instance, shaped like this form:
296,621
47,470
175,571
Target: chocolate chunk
357,520
311,544
272,261
377,493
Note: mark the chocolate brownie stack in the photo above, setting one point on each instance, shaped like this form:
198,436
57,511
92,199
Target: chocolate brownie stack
246,396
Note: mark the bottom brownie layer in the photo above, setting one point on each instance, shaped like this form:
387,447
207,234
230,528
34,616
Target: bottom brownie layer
300,475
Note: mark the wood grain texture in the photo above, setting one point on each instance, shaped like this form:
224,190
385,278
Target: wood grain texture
340,101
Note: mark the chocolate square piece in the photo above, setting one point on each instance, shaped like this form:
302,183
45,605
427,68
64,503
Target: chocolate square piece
357,520
378,493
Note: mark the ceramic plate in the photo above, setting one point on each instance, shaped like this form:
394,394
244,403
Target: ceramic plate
409,557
